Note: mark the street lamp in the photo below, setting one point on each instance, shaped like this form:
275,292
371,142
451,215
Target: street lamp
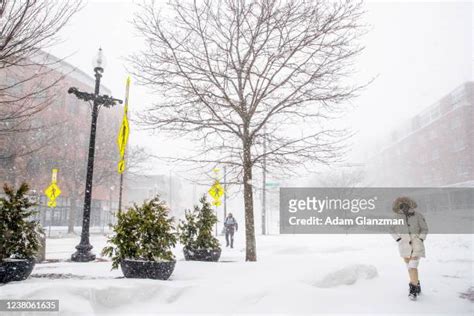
83,253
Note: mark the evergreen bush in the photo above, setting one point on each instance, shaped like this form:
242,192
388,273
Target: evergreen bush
19,236
196,230
143,232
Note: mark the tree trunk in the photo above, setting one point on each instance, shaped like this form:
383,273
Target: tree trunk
251,246
72,216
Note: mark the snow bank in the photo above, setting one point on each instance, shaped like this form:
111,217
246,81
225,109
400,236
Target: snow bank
347,276
294,274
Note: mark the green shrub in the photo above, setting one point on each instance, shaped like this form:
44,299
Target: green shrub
196,230
143,232
19,236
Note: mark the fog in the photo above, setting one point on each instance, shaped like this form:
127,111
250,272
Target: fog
415,53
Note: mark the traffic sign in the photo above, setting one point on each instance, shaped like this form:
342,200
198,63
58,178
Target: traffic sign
52,203
272,184
52,192
216,191
216,203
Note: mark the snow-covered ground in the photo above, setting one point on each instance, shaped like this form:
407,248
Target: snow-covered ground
294,274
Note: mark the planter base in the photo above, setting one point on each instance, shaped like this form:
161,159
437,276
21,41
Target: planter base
202,254
15,269
141,269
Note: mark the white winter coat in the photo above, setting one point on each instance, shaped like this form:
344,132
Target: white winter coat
411,236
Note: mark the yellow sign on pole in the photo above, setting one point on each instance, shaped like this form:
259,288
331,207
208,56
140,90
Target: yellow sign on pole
53,191
124,131
216,191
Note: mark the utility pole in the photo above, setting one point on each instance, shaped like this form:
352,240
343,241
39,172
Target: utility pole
120,193
264,180
225,193
171,193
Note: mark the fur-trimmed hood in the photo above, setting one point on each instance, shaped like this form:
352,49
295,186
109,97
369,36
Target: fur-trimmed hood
403,199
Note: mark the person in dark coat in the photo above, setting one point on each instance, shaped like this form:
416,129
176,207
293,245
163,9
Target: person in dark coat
230,226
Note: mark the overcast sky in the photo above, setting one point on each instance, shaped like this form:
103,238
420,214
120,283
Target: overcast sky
418,52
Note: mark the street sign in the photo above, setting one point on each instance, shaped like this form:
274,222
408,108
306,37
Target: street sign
51,203
216,191
54,176
53,191
272,184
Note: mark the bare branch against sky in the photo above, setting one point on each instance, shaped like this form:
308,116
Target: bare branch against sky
27,28
226,69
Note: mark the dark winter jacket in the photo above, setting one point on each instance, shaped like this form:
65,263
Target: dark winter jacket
410,237
230,224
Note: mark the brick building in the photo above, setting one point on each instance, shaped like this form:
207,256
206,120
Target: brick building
59,139
433,148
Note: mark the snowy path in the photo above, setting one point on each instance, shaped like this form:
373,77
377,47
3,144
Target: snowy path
294,274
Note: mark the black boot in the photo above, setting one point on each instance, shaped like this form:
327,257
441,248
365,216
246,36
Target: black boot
418,288
413,291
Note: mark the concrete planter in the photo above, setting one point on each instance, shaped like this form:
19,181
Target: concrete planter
143,269
202,254
16,269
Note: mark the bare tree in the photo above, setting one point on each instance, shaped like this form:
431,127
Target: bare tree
27,27
225,69
342,177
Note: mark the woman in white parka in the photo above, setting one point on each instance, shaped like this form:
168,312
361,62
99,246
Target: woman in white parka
410,238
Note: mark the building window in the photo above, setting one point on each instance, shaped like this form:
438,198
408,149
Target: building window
461,170
459,97
405,148
415,123
456,122
426,178
435,112
394,136
435,154
425,119
459,145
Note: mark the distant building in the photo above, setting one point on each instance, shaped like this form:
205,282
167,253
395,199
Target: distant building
434,148
61,140
145,187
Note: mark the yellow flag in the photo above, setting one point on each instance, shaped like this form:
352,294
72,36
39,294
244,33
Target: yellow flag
121,166
124,131
122,138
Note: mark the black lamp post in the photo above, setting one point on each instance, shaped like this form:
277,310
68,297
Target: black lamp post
83,253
